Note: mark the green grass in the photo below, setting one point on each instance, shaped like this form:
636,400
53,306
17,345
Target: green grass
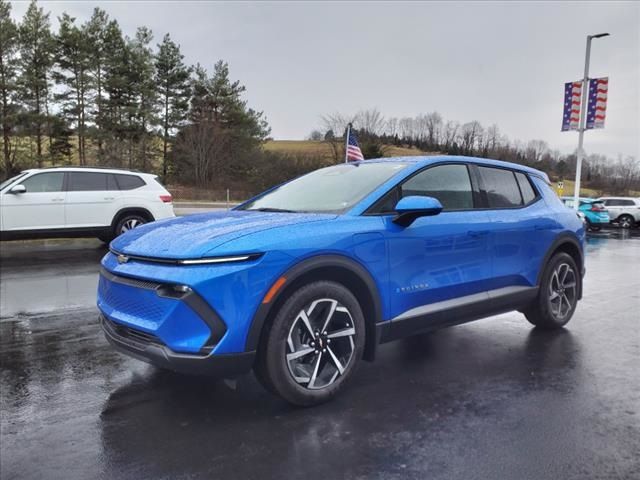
323,149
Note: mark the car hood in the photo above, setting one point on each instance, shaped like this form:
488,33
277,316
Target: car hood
192,236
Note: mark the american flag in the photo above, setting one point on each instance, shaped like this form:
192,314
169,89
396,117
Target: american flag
597,106
354,154
571,111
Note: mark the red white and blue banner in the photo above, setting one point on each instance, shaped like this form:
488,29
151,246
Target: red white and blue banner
572,102
597,102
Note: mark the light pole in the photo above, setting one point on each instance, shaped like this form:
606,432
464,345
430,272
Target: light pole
583,118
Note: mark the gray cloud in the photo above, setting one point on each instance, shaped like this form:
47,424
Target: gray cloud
495,62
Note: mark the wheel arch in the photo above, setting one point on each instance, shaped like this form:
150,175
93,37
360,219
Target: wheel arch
336,268
570,245
131,211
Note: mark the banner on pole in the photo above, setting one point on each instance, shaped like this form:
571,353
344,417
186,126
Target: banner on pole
597,102
572,101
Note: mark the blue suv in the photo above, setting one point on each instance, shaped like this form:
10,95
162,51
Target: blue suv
303,281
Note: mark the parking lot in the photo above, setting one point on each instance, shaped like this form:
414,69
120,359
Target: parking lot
491,399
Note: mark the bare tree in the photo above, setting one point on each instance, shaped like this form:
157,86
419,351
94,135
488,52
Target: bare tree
535,150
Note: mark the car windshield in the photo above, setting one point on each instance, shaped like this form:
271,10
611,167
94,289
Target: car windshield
328,190
11,180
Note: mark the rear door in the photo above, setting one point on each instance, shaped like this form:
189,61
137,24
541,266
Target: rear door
522,228
91,199
614,207
41,207
439,258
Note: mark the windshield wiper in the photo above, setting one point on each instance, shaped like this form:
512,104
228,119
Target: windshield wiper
272,209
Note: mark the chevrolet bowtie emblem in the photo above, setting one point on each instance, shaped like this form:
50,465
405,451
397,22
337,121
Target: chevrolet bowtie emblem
123,258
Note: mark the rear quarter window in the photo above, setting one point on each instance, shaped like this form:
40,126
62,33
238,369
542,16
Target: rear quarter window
528,193
129,182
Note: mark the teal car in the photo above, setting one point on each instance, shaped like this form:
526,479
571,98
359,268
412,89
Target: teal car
593,211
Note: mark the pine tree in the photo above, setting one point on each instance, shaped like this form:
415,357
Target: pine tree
144,97
36,45
223,132
97,29
172,80
8,77
73,74
112,118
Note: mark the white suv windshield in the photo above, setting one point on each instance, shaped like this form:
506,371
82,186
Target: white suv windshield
11,180
330,190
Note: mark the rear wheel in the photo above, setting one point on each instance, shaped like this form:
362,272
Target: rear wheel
592,227
314,344
129,222
558,294
626,221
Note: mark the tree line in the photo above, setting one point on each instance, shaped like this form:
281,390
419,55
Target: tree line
430,132
89,94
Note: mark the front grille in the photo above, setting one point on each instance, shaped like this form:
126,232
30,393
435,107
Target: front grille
132,282
137,337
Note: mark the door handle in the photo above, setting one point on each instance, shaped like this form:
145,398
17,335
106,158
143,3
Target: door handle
57,199
109,198
478,233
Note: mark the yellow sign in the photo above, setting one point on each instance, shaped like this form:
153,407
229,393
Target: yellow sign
560,188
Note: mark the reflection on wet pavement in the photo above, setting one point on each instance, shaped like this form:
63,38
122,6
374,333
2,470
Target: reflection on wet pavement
46,276
491,399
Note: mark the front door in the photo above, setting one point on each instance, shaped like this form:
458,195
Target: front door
41,207
442,258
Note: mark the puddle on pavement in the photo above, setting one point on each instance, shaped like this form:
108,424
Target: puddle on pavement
36,295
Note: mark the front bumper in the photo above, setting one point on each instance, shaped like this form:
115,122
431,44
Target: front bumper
149,348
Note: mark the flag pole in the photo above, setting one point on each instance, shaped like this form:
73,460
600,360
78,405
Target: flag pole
346,143
583,119
582,125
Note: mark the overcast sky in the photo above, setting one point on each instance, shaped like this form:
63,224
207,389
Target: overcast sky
495,62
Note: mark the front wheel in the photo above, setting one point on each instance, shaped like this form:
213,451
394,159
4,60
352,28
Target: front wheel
314,344
558,294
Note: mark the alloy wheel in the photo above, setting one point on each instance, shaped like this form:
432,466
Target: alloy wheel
130,225
562,290
320,344
625,222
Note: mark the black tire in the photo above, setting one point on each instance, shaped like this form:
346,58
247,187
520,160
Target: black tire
626,221
106,238
555,289
313,377
592,228
128,222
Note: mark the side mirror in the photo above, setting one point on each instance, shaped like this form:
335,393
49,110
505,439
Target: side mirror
410,208
18,189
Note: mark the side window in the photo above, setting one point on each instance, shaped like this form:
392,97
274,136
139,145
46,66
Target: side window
448,183
111,182
44,182
627,203
86,182
129,182
501,187
528,194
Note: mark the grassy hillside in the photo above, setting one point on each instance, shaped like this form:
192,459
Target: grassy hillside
320,148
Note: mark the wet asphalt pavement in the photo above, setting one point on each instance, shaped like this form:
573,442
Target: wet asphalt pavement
494,399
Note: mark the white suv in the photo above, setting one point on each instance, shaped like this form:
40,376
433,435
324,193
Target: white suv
623,210
80,202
